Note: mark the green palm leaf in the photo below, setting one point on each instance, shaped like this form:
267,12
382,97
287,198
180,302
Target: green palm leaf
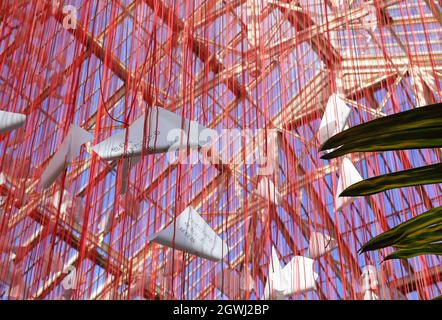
418,118
422,237
434,248
413,139
413,129
401,231
406,178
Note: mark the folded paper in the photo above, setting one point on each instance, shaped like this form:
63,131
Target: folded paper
370,20
300,275
370,283
348,176
67,151
165,131
10,121
267,190
276,281
320,244
374,287
4,184
104,226
69,283
334,119
296,277
69,208
15,187
191,234
340,3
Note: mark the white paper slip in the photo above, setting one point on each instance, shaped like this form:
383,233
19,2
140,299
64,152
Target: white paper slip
158,131
267,190
296,277
69,208
67,151
348,175
10,121
191,234
320,244
369,278
334,119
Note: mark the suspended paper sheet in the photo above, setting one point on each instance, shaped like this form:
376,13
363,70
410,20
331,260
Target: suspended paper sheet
376,288
69,206
67,151
266,189
18,192
299,272
165,133
104,226
4,184
192,235
320,244
138,285
334,119
69,284
234,284
246,280
10,121
296,277
5,187
276,282
14,181
339,4
370,295
348,176
370,21
369,278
